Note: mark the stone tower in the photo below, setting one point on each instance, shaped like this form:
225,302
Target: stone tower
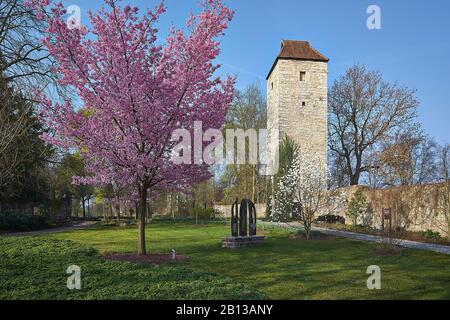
297,100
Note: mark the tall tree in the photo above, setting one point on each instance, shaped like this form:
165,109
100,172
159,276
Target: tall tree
14,123
248,111
23,59
22,153
135,93
364,110
408,158
70,166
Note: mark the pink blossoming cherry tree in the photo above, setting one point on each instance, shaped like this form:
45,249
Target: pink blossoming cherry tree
135,91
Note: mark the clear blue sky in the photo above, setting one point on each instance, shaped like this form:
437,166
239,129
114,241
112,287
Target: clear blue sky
411,49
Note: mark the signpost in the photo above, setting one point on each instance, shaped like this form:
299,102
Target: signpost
387,215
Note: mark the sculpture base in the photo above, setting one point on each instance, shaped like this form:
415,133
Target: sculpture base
242,242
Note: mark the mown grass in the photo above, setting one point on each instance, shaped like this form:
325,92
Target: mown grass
283,268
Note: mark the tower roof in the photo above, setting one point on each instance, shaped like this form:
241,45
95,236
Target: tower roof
297,50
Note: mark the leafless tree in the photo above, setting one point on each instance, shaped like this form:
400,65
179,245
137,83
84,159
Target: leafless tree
408,158
14,124
23,59
338,170
363,111
248,111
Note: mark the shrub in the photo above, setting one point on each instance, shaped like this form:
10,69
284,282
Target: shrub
280,207
331,219
430,234
359,209
17,221
206,213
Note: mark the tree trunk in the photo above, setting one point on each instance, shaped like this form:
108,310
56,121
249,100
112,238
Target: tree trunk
84,208
110,211
307,231
272,191
354,179
118,211
141,220
253,184
172,212
136,206
448,229
149,213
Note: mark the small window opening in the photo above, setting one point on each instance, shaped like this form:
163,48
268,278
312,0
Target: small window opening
271,85
302,76
304,104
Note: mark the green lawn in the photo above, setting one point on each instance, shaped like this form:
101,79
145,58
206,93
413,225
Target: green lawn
283,268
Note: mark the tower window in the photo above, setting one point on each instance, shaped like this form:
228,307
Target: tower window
302,76
271,85
303,103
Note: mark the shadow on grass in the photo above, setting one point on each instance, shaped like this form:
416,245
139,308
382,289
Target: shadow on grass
284,268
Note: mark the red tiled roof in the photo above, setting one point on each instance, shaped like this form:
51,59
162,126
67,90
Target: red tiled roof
298,50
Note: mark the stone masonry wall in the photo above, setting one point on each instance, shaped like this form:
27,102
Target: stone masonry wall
273,103
415,208
225,210
307,124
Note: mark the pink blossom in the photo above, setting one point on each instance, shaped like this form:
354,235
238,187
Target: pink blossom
135,92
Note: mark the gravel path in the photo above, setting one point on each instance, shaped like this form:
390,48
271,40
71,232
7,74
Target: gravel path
378,239
73,226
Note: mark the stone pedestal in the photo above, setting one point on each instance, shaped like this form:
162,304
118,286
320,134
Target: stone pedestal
242,242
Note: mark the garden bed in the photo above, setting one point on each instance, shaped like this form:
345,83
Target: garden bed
426,237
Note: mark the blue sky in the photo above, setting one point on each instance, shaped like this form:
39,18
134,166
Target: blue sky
411,49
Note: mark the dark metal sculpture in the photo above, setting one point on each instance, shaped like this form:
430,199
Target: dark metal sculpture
243,212
246,219
235,219
240,225
252,218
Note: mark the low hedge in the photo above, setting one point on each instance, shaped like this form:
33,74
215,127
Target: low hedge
19,221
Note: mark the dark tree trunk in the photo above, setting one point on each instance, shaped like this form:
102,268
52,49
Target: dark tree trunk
136,206
356,174
354,181
83,201
141,220
118,212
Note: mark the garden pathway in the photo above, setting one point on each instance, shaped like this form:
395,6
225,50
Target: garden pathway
371,238
73,226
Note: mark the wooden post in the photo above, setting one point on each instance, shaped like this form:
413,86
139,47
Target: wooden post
387,215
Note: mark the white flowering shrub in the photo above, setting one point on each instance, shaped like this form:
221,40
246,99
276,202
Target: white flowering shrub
283,199
305,184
